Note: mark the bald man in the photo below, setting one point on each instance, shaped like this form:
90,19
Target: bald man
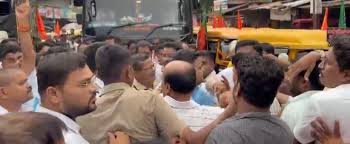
14,90
178,84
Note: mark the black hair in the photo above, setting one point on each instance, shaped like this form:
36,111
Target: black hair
207,54
58,49
42,45
165,40
259,49
182,82
244,43
52,50
31,127
174,45
53,69
185,55
341,50
8,48
314,78
268,48
6,41
130,42
259,78
143,43
110,60
116,39
90,53
138,60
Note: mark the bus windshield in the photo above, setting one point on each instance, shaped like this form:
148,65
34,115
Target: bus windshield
113,13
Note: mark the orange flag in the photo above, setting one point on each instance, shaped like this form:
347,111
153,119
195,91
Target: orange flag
202,38
219,21
41,26
57,28
325,21
239,21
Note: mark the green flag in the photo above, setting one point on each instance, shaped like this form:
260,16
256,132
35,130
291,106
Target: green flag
342,17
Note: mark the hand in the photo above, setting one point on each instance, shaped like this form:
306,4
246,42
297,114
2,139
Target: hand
231,109
23,9
306,63
118,138
323,134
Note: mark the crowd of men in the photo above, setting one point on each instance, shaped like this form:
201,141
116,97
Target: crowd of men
161,91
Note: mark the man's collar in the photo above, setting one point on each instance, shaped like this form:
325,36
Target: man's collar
180,105
3,111
251,115
304,95
342,86
23,109
137,85
72,125
113,87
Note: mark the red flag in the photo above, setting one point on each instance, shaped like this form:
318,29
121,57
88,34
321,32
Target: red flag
41,26
202,38
218,21
239,21
325,21
57,28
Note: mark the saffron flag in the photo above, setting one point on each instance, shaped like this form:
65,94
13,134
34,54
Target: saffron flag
41,26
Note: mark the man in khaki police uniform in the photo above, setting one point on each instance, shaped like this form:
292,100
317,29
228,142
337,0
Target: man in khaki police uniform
142,115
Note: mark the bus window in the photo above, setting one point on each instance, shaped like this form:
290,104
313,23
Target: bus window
5,8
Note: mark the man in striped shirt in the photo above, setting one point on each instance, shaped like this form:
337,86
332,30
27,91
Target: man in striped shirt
178,85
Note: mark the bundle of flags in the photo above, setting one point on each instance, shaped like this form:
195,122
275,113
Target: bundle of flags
41,27
342,17
202,33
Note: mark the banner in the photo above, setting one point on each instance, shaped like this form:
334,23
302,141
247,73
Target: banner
220,5
49,12
57,13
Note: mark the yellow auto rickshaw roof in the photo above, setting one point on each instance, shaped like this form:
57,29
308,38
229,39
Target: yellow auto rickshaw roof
289,38
224,33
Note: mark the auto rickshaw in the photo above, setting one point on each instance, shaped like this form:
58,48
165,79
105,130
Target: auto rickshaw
291,41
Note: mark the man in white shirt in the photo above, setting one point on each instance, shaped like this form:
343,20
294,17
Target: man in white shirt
207,59
164,53
22,55
302,90
244,46
14,91
67,90
332,104
178,84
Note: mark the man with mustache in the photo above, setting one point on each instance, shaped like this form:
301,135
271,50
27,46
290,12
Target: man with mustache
333,104
67,90
14,90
